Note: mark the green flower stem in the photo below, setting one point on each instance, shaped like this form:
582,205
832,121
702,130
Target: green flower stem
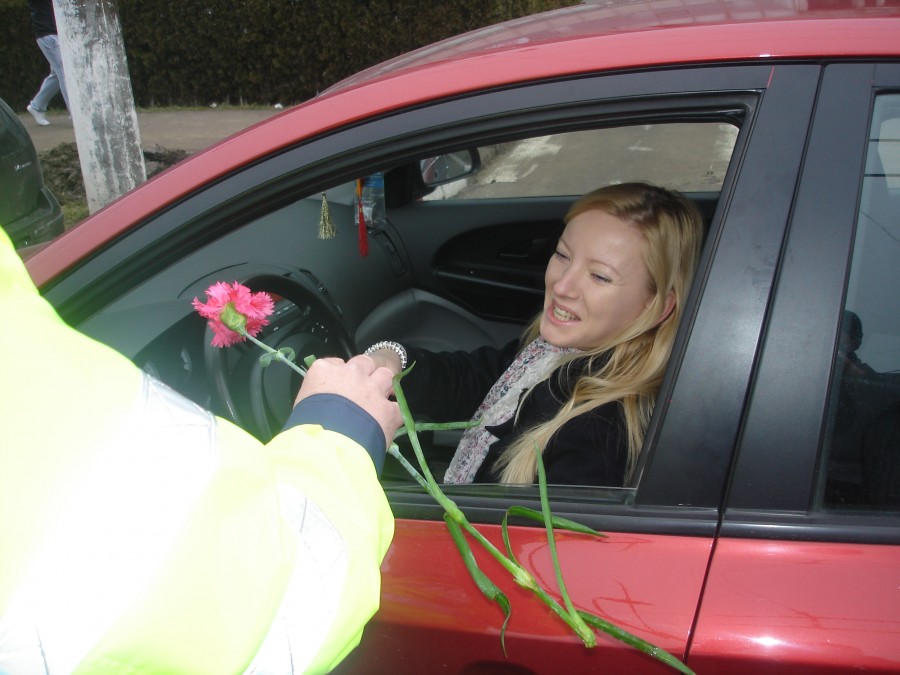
636,642
394,451
449,505
487,587
431,486
574,619
520,575
578,620
277,355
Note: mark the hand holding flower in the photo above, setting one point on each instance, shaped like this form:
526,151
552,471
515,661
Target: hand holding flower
358,380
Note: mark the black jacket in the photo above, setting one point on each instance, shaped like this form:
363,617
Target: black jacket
43,20
591,449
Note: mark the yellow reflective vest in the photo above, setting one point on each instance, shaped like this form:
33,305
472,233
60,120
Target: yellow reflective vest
141,534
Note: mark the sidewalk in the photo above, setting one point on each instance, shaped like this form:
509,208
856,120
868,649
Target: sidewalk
188,130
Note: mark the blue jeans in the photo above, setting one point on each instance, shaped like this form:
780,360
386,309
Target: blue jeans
56,80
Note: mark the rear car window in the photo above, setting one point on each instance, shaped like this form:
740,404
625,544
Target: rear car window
863,432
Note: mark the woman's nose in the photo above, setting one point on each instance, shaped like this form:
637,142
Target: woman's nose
565,284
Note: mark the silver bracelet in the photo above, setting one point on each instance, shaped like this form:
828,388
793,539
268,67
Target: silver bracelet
395,347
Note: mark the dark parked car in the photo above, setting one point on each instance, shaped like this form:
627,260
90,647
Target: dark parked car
761,530
29,212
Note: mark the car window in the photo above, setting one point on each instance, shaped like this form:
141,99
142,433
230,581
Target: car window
497,270
863,431
690,156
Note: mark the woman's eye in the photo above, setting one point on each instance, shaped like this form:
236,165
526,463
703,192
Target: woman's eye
559,254
601,278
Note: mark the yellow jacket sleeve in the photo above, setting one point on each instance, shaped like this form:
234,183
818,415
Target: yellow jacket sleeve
141,534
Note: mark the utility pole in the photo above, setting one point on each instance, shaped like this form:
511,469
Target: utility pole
100,99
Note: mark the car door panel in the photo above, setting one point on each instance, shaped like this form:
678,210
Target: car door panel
498,272
617,578
487,255
793,607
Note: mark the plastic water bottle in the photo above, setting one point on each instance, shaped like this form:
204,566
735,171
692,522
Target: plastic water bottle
373,200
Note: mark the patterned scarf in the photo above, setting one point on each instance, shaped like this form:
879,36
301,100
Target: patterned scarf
533,364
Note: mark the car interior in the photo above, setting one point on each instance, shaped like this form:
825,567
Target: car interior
458,263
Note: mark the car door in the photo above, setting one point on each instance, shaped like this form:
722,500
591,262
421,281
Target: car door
648,574
805,577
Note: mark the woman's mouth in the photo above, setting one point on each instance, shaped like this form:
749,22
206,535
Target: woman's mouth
560,314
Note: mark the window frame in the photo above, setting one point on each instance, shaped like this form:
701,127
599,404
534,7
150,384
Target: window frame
773,489
671,499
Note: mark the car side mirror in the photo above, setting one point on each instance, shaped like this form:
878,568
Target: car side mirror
443,169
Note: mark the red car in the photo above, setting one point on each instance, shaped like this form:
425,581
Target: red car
761,532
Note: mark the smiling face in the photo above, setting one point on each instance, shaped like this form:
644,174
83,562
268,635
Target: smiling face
596,284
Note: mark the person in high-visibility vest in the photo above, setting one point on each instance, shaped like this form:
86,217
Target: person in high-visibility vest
141,534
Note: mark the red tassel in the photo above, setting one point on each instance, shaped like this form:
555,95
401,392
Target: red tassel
363,235
361,219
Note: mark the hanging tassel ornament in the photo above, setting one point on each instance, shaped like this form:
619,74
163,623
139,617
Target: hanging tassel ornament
361,221
327,229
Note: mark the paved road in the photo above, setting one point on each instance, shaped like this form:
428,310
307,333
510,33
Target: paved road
189,130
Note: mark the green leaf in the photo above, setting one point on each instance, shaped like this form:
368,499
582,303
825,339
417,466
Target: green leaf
309,360
439,426
634,641
557,521
504,532
287,353
487,587
233,319
266,359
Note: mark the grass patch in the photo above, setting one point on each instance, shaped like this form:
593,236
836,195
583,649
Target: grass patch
74,213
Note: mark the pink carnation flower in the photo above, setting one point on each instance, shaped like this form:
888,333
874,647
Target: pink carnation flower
255,307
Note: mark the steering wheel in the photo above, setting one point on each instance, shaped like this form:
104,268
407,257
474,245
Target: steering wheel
258,398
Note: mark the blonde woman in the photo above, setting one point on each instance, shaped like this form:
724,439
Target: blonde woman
583,381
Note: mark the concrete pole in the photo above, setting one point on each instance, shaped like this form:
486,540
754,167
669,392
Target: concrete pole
100,99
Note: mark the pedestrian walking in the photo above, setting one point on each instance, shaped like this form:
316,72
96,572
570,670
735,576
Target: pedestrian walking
43,23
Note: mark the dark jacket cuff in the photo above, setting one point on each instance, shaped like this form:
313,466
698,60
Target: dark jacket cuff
343,416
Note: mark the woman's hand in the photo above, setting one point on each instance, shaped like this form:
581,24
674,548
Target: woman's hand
386,358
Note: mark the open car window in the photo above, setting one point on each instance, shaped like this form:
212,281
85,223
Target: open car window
494,272
685,156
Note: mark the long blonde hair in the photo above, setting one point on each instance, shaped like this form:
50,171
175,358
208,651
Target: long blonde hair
630,367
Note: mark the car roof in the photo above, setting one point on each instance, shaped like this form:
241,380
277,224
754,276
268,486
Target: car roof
567,42
598,19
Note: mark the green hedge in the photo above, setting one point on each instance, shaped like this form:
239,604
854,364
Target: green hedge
196,52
